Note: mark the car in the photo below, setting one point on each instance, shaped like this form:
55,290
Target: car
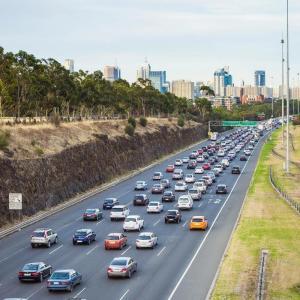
221,189
216,171
157,189
220,167
173,215
198,222
43,237
115,240
36,271
201,185
170,168
92,214
192,164
178,162
158,176
133,222
243,158
205,155
122,267
211,161
195,193
177,174
247,152
166,183
140,199
235,170
185,160
146,240
185,202
206,166
212,176
204,148
109,203
64,280
200,151
180,186
199,170
140,185
168,196
193,155
250,147
155,207
119,212
84,236
189,178
221,153
225,162
200,159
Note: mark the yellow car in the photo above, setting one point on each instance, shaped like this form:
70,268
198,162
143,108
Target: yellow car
198,222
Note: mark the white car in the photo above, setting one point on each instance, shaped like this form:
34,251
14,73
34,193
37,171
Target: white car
119,212
199,170
133,222
155,207
140,185
185,160
201,186
157,176
146,240
200,159
250,147
177,174
221,153
178,162
189,178
196,194
185,202
219,167
247,152
43,237
181,186
225,162
208,179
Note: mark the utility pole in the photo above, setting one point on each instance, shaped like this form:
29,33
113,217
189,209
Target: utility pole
282,88
287,87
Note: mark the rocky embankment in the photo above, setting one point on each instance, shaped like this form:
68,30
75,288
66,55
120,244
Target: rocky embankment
51,179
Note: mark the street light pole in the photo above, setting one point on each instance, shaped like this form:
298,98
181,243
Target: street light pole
282,88
288,87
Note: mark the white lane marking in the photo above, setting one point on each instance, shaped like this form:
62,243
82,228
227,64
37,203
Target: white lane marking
9,256
161,251
42,287
124,295
80,292
205,237
89,252
55,249
154,224
184,224
77,219
125,250
200,204
99,222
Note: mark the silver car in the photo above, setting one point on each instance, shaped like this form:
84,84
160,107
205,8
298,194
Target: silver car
122,267
43,237
146,240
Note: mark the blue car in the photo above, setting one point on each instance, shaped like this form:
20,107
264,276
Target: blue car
109,203
64,280
84,236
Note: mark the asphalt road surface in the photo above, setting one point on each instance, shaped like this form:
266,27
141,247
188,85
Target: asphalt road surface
182,266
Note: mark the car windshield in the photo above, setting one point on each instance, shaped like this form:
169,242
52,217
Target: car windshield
157,186
197,220
108,200
31,267
184,200
171,212
144,237
81,232
139,197
168,193
119,262
130,220
112,237
90,211
140,182
38,234
193,191
153,204
156,174
221,186
117,209
60,275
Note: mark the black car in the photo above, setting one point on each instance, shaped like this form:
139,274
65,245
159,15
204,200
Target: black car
192,156
243,158
221,189
140,199
211,161
36,271
84,236
192,164
235,170
173,215
205,155
210,152
109,203
168,196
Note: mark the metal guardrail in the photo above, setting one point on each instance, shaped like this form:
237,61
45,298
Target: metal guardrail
261,275
294,204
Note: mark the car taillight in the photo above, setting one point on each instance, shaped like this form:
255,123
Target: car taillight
109,270
124,270
21,273
35,273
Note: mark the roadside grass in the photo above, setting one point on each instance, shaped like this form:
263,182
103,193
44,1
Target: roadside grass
266,222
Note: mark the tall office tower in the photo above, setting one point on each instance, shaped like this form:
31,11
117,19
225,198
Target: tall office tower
69,65
111,73
260,78
222,79
183,88
144,71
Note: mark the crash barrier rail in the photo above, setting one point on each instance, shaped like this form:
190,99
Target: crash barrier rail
261,275
297,164
294,204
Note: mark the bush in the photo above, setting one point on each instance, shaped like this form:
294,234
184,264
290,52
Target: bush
39,151
143,121
132,122
33,143
4,139
129,129
180,121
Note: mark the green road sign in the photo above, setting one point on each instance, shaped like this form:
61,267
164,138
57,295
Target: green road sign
239,123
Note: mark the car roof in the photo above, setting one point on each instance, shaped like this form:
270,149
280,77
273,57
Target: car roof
133,216
154,202
84,229
122,257
202,217
34,263
222,184
146,233
42,229
114,234
169,210
119,206
64,271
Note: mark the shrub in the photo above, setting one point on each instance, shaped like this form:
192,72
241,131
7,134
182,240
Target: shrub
33,142
143,121
180,121
129,129
4,139
39,151
132,122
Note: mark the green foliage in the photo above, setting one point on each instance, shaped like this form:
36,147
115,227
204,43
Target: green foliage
39,151
129,129
180,121
143,121
132,122
33,143
4,139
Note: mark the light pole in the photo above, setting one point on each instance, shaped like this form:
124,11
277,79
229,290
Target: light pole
287,87
282,88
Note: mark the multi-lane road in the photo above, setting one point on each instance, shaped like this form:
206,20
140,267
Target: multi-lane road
182,266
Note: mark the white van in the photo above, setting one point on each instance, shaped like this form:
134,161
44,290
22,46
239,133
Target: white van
185,202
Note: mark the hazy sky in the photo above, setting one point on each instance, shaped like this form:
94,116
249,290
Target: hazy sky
187,38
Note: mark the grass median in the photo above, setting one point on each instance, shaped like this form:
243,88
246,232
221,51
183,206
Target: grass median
266,222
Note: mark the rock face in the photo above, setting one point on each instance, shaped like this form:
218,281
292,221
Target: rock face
48,181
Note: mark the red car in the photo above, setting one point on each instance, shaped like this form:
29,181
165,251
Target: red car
206,166
200,151
170,168
115,241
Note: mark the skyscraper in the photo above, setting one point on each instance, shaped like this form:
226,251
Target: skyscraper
69,65
222,79
111,73
260,78
183,88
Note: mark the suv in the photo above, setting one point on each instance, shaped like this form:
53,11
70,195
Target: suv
133,222
43,237
119,212
140,199
173,215
177,174
168,196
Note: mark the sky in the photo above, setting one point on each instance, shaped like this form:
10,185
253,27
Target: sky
189,39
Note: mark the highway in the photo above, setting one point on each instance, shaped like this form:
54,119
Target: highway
183,265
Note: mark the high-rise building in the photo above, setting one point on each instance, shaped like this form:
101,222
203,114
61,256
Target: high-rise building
222,79
183,88
111,73
260,78
144,71
69,65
